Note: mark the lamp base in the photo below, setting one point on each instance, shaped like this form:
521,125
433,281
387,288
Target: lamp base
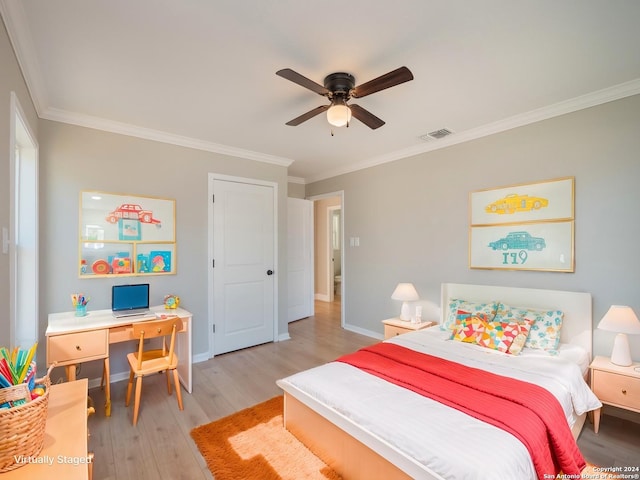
621,354
405,312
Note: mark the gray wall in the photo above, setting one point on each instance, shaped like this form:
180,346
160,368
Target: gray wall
296,190
10,80
412,215
75,158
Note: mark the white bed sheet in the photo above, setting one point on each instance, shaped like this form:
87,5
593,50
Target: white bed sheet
442,441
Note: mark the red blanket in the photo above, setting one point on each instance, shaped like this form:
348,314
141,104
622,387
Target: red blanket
527,411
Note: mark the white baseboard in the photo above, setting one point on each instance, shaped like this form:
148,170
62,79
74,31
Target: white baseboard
201,357
364,331
322,297
115,377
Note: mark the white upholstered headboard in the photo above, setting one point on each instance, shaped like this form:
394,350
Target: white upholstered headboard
577,325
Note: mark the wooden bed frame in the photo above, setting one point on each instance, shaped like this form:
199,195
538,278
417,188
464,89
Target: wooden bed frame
355,453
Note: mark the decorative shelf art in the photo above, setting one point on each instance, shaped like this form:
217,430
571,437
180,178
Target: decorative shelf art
126,235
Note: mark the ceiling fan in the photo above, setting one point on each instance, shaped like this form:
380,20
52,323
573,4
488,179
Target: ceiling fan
339,88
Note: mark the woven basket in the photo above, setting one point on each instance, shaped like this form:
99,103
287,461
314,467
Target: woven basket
22,427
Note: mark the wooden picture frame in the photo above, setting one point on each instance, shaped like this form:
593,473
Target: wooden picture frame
551,200
532,246
126,235
527,226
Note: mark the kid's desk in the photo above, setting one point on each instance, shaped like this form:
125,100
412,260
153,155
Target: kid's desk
72,340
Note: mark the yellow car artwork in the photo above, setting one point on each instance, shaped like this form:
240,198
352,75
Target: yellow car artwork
516,203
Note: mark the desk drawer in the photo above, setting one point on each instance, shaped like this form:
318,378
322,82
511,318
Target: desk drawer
617,389
77,347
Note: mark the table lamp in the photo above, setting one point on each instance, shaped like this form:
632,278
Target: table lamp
405,292
623,320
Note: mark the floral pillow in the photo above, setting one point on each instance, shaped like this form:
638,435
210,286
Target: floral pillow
545,329
468,329
459,307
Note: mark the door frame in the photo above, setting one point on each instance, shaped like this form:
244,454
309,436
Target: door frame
309,262
343,300
331,266
210,283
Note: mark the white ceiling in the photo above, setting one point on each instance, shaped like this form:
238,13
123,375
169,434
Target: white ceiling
201,73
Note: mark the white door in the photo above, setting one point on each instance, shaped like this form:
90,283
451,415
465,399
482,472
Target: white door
243,265
299,258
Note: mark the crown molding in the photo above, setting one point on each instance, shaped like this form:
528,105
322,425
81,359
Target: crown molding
299,180
98,123
19,34
592,99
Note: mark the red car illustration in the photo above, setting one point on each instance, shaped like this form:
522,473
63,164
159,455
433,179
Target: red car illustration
132,212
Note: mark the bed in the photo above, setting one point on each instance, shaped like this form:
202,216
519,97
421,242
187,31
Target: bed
365,427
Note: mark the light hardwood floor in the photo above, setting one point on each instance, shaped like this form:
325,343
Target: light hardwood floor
160,447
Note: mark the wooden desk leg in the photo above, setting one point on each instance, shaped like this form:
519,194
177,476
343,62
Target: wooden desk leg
71,373
107,388
596,420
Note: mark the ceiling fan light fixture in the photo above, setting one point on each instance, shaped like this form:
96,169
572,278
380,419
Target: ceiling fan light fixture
339,115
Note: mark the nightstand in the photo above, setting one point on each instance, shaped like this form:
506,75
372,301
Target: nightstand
614,385
395,326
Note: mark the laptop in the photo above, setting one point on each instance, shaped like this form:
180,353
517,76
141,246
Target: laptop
130,300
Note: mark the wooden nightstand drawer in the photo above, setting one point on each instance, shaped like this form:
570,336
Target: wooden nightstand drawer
617,389
395,326
391,331
77,347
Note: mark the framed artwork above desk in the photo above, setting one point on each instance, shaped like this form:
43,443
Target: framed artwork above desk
126,235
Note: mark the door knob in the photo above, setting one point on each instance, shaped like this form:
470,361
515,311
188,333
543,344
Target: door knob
269,272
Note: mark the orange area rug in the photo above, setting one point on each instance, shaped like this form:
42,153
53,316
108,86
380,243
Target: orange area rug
253,444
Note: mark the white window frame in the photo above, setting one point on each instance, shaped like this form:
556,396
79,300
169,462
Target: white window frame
23,232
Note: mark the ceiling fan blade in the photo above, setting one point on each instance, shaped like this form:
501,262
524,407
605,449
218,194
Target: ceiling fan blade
306,116
303,81
391,79
366,117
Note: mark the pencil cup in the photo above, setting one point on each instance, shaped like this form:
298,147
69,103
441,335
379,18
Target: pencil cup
81,310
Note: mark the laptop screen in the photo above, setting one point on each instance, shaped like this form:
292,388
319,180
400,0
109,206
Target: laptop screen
129,297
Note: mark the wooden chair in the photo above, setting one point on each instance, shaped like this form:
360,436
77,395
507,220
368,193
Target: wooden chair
154,361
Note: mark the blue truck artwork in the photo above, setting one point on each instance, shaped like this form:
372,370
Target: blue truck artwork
520,241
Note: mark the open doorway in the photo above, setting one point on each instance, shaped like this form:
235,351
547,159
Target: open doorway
335,252
329,258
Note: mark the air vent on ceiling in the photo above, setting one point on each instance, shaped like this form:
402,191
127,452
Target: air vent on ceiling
436,134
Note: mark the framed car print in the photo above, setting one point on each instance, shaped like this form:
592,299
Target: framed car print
531,202
523,227
530,246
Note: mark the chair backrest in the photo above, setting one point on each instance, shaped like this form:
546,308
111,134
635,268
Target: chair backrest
157,328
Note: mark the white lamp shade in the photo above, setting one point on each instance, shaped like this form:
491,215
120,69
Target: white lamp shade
405,292
339,115
621,319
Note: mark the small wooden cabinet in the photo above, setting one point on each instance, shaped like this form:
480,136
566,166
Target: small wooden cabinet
615,385
64,454
395,326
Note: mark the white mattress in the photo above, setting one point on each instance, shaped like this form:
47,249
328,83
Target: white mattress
426,438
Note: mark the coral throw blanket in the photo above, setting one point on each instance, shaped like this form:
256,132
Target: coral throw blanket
527,411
